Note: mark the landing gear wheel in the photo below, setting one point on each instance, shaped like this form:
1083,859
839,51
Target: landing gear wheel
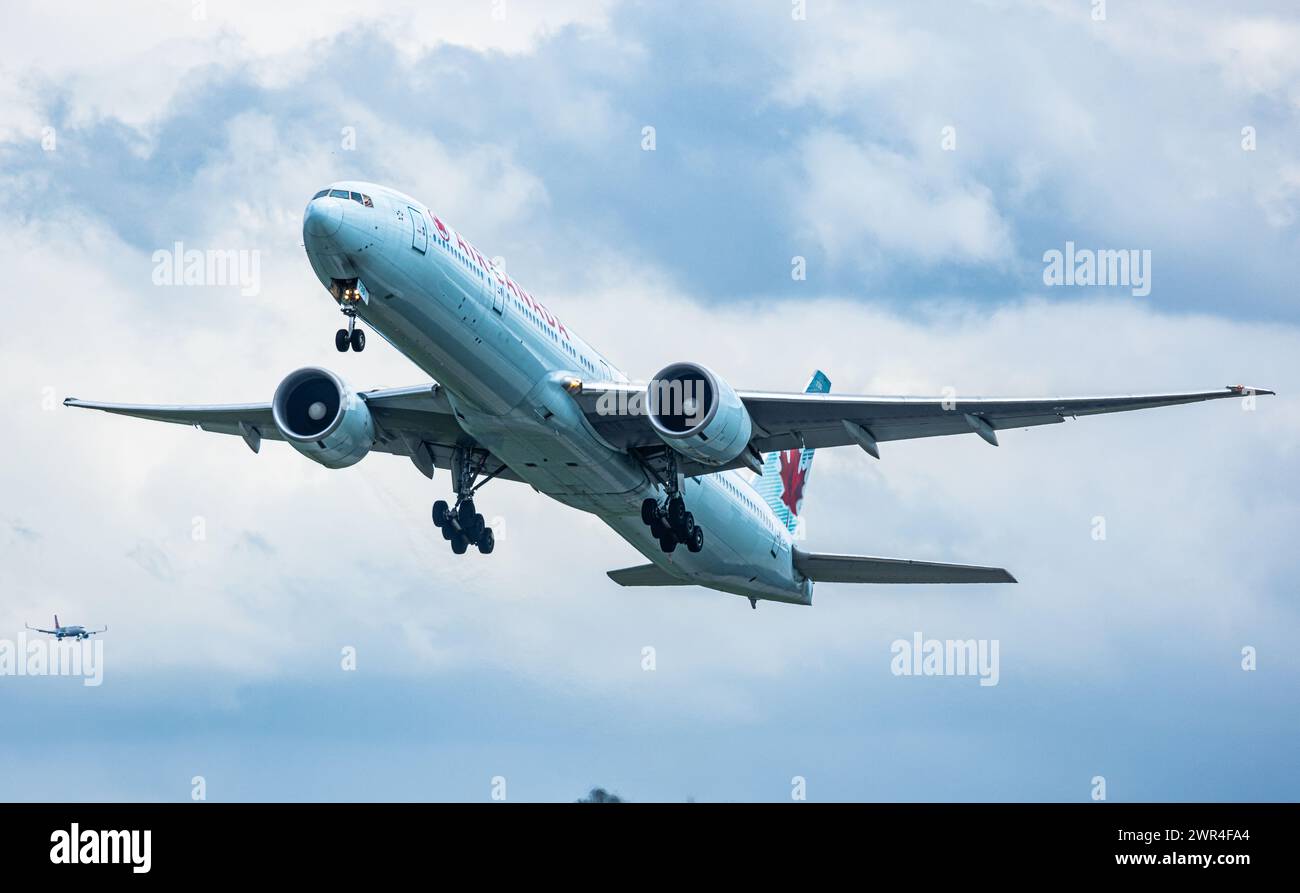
695,542
657,529
486,541
465,514
649,511
441,513
684,529
459,544
676,511
668,542
341,340
448,532
358,340
474,529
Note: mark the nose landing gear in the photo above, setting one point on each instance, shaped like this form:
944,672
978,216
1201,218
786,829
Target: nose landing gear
349,293
351,336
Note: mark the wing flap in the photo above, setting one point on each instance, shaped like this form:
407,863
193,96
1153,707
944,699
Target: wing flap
822,567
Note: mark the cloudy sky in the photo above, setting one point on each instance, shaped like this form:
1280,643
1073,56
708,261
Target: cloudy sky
921,159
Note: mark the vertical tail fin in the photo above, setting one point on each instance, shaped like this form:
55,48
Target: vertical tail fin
785,473
56,621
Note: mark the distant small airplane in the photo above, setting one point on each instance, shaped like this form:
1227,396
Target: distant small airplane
80,633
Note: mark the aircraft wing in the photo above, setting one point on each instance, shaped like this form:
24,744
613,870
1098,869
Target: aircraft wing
417,422
48,632
788,421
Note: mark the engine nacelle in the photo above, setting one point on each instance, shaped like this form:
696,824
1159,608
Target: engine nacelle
698,414
322,418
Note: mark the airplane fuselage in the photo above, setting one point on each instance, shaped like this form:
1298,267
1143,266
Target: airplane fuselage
60,633
502,358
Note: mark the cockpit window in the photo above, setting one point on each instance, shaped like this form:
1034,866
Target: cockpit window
343,193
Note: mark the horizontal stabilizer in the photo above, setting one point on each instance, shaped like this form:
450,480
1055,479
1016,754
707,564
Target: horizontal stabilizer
824,568
646,575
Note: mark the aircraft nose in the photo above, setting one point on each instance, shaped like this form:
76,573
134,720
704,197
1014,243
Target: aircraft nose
324,217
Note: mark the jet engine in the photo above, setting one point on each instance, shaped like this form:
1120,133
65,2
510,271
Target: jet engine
698,414
322,418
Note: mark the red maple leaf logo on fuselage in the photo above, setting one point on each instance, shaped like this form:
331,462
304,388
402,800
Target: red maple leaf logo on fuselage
792,479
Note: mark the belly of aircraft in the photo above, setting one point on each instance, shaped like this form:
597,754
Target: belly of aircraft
510,407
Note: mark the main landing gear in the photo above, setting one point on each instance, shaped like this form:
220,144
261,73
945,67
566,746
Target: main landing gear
463,527
669,521
461,524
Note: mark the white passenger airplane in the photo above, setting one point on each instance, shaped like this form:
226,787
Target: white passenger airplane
80,633
519,396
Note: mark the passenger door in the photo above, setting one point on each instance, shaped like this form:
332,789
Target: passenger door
419,231
498,295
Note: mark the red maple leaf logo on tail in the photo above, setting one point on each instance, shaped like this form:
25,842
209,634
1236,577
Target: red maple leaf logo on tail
792,480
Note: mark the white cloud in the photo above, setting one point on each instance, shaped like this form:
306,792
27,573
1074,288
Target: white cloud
255,189
844,50
850,195
1259,54
1129,126
129,60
